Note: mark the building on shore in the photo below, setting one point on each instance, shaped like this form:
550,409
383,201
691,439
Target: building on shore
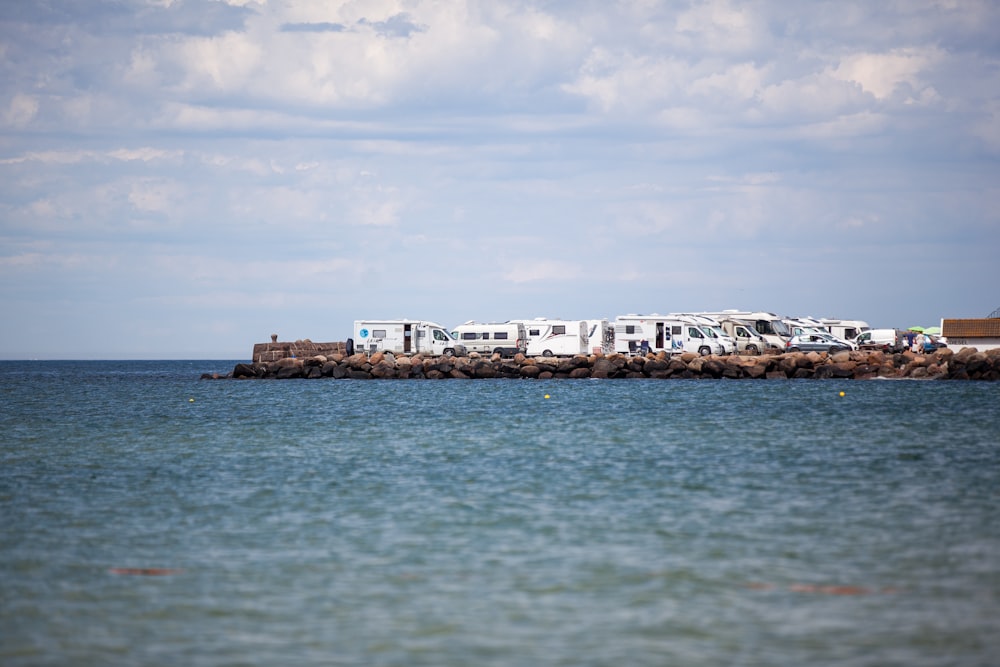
982,334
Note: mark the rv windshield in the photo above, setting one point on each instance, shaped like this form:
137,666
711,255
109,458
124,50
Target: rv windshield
780,328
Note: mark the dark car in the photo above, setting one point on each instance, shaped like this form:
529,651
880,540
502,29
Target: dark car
815,342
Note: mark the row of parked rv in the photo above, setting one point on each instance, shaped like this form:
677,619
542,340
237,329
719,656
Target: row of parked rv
722,333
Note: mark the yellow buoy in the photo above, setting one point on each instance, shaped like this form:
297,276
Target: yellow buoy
546,395
842,394
190,400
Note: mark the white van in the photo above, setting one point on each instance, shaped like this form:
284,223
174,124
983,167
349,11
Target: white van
505,338
889,340
635,334
556,338
402,337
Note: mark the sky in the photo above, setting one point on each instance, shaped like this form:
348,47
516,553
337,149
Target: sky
181,179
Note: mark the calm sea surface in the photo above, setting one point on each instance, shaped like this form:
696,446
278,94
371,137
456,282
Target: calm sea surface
151,518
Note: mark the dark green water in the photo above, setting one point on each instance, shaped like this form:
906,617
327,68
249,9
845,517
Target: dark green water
455,522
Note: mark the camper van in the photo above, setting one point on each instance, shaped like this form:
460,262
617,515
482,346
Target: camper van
402,337
768,325
505,338
845,329
748,341
636,334
711,327
556,338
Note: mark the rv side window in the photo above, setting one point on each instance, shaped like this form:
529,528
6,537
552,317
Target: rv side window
742,333
500,335
486,335
630,328
675,330
694,333
378,333
559,329
534,332
468,335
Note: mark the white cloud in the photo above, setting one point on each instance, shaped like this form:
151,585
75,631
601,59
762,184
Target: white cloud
883,74
21,110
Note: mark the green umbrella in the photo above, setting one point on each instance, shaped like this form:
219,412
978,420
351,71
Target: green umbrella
917,329
934,331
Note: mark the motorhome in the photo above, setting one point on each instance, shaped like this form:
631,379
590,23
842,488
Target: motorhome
845,329
635,334
504,338
712,327
556,338
402,337
601,336
768,325
748,341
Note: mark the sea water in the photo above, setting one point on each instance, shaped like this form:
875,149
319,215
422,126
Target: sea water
148,517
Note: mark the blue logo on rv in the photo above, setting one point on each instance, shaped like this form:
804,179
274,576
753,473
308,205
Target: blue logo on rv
363,333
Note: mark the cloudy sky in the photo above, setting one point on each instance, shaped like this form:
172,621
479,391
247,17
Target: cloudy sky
181,179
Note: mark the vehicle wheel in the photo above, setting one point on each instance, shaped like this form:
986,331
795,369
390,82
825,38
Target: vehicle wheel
704,351
547,353
449,352
752,349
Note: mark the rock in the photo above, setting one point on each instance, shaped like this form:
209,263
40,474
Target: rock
383,369
485,370
603,367
287,371
244,371
530,371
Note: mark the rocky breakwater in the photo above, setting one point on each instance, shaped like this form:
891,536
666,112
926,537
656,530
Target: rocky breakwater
944,364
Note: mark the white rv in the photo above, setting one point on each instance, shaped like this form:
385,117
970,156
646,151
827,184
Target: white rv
635,334
556,338
505,338
711,327
845,329
402,337
748,341
768,325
